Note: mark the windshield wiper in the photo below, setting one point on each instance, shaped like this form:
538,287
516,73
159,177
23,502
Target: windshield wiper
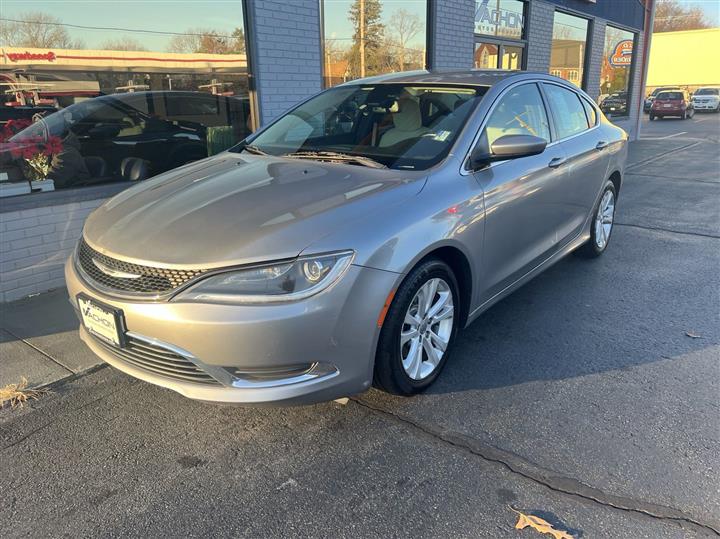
250,148
337,156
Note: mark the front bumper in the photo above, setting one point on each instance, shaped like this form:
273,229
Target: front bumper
334,332
706,106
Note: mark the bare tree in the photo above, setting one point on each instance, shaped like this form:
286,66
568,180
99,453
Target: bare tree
123,44
208,41
671,16
403,27
38,30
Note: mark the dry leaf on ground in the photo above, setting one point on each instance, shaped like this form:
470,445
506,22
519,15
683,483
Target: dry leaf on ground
539,525
18,394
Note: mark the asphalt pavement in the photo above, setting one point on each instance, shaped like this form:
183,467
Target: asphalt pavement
590,397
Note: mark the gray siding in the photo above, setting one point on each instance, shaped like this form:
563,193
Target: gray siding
453,25
539,33
285,53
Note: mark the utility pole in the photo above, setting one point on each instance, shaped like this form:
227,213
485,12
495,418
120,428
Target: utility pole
362,38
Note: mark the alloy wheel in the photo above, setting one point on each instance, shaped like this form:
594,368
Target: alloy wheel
604,219
427,329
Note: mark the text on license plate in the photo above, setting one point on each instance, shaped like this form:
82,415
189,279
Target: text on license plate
667,106
100,320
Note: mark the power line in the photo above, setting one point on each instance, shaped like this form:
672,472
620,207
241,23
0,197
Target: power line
111,28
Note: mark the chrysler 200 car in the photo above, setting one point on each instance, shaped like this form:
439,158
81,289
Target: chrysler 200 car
348,242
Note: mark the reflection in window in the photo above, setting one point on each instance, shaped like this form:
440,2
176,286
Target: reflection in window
615,71
362,38
172,84
512,57
568,111
519,112
486,56
502,18
567,57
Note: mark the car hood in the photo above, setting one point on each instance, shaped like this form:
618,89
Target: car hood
237,209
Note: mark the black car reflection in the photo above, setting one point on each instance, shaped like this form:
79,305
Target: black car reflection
615,104
136,135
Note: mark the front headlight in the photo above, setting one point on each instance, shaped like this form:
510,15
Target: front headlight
282,281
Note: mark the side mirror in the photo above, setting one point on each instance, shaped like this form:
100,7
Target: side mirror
507,147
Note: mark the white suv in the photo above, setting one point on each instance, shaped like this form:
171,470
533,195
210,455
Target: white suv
707,99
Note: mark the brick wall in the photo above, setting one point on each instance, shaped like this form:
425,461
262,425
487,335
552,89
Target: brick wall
453,25
539,34
595,45
34,244
285,52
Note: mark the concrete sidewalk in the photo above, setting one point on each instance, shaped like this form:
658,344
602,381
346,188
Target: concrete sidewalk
39,341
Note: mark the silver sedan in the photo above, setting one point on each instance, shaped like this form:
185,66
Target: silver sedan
346,244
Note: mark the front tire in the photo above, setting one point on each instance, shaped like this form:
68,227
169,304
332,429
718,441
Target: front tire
602,224
419,330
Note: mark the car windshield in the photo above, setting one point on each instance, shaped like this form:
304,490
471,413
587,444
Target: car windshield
670,95
708,91
389,125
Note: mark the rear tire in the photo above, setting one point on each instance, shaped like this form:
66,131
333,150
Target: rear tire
602,224
409,355
652,117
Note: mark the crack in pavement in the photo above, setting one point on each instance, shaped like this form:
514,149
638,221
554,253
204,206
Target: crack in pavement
547,478
655,157
42,352
669,230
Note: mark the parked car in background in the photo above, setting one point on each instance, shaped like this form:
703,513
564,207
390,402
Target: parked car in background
159,130
650,98
707,99
615,104
350,240
672,103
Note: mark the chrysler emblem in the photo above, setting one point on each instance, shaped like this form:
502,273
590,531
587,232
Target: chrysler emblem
113,272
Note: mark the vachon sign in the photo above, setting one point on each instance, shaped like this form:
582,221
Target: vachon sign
622,55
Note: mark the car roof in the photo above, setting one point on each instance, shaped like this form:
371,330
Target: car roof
467,77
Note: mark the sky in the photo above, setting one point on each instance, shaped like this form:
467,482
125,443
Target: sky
179,16
710,7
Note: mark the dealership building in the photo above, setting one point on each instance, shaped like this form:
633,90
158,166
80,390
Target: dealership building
241,63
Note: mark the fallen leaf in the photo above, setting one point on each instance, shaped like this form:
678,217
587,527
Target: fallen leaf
693,335
539,525
343,400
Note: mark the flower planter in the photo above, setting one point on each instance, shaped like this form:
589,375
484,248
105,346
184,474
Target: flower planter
43,185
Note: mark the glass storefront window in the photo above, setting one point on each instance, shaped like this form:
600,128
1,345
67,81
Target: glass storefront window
501,18
499,27
615,71
569,41
93,93
371,37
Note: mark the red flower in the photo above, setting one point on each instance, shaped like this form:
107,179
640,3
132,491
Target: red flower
53,145
30,151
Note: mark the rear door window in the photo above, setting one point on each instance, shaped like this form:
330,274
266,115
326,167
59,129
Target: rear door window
567,111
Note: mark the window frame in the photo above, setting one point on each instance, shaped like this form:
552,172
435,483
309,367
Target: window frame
501,41
586,52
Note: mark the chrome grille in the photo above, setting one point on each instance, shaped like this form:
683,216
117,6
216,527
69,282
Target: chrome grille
158,360
151,280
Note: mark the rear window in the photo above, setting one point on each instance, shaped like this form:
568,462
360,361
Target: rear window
670,95
708,91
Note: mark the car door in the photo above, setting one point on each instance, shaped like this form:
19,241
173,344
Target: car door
520,194
576,125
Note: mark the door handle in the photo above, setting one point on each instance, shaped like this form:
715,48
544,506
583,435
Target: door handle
601,145
556,162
